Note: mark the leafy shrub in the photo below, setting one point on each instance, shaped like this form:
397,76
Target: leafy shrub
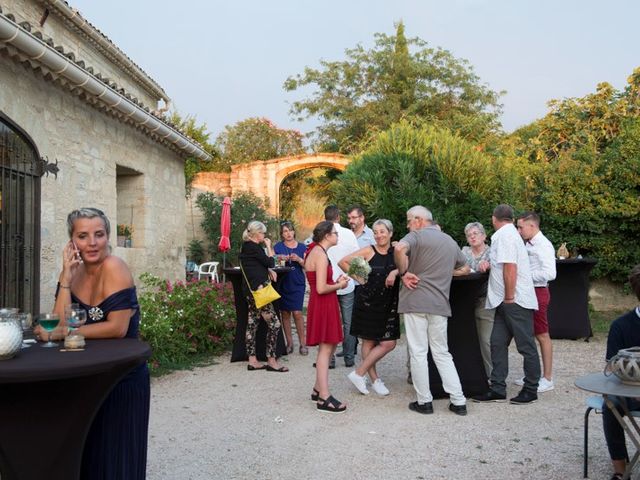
196,251
409,165
245,207
585,164
183,320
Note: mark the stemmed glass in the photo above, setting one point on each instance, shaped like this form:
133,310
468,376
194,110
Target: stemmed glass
49,321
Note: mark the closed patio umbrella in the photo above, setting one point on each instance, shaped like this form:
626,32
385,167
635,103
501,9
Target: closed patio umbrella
225,230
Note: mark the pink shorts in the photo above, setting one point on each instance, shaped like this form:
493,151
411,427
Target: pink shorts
540,323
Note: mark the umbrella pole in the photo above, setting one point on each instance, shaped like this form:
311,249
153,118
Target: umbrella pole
224,265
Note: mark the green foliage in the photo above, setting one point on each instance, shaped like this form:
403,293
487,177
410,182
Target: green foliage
196,251
585,165
407,166
183,321
398,79
257,139
245,207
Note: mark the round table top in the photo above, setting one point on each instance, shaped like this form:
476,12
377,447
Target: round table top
607,385
236,270
37,363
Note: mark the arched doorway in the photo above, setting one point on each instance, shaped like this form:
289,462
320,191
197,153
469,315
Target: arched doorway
20,172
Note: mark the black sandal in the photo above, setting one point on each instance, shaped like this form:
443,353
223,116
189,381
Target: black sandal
315,395
330,405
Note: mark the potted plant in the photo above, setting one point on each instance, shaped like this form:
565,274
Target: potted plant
124,235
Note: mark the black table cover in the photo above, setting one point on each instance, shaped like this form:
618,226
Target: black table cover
568,312
239,352
48,400
463,337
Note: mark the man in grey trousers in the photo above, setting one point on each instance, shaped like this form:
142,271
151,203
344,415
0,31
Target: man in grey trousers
511,293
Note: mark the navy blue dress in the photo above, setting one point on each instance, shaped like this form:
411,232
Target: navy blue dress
116,446
293,284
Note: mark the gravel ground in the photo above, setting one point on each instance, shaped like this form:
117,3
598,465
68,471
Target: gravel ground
224,422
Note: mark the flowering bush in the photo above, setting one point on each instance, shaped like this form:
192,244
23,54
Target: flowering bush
184,320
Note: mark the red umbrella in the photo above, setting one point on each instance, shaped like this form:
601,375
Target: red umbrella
225,227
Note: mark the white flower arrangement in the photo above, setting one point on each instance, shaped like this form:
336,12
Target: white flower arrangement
359,268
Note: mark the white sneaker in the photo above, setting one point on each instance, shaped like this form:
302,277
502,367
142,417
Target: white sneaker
379,387
358,382
545,385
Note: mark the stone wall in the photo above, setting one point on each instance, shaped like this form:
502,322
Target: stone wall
606,296
93,149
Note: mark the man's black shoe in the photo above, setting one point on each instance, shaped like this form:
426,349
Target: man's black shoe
425,408
490,396
524,397
349,363
458,409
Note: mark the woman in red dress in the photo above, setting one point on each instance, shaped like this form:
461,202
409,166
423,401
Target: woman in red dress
324,327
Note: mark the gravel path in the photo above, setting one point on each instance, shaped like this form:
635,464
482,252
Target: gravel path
223,422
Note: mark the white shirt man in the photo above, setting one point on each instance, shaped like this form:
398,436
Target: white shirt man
542,257
511,292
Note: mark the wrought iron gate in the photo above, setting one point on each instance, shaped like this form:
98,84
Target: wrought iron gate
20,172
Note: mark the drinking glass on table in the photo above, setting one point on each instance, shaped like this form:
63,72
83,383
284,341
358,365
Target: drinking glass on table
76,316
49,321
26,324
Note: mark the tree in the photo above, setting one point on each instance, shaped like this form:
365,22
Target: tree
408,165
257,139
199,133
584,160
245,207
372,89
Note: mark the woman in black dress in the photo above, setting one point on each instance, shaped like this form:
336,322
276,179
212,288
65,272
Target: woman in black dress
375,319
257,270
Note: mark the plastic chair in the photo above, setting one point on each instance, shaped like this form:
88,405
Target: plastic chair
209,269
594,403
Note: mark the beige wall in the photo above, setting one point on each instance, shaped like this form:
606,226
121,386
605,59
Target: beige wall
89,144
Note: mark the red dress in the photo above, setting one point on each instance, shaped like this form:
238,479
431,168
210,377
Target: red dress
323,313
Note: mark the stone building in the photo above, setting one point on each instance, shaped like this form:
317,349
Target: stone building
81,125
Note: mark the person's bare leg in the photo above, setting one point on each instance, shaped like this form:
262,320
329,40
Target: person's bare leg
619,466
546,350
299,320
322,369
253,361
378,351
286,326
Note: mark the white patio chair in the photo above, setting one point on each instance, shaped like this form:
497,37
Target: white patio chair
209,269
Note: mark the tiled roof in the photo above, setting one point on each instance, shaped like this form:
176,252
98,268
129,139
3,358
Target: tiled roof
27,27
91,28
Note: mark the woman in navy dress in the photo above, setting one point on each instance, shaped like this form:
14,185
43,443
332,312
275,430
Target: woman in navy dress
292,286
116,446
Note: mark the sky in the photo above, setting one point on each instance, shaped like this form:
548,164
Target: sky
225,61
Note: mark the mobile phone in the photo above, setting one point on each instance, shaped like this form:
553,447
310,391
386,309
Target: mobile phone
77,252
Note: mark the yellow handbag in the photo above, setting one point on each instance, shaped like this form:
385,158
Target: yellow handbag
263,296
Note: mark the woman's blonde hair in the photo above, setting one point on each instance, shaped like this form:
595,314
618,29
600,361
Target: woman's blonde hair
253,228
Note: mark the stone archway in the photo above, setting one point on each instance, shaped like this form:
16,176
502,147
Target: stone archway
263,178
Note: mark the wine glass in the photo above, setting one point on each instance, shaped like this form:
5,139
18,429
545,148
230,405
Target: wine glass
49,321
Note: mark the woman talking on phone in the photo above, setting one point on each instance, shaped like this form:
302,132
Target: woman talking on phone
116,446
